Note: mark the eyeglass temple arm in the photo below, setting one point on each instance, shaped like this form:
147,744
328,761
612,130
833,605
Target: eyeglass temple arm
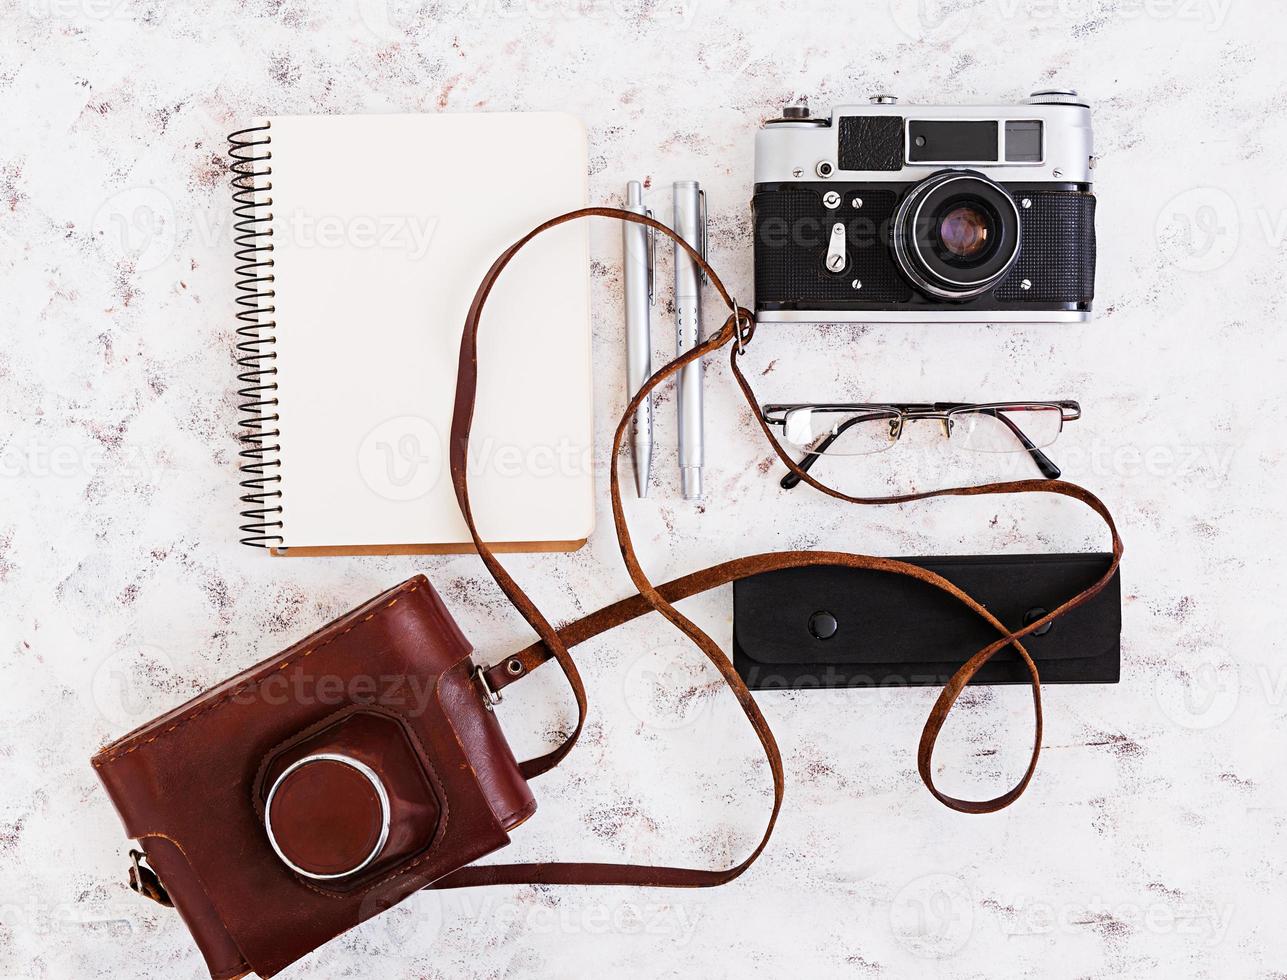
1044,463
791,480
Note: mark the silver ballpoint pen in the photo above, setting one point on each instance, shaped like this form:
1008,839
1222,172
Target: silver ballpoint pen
690,223
638,247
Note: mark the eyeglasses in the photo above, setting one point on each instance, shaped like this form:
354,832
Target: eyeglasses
858,430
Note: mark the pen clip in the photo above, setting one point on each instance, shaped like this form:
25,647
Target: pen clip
703,229
652,260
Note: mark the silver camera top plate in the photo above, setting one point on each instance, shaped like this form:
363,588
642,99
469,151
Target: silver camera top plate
1052,131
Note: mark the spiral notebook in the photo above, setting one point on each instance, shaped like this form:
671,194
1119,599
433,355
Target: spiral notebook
360,242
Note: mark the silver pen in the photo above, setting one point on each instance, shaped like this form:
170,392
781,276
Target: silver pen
690,223
638,245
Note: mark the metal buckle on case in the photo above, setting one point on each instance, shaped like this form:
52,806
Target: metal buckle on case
491,697
145,881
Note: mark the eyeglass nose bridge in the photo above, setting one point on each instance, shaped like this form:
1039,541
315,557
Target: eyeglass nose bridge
919,414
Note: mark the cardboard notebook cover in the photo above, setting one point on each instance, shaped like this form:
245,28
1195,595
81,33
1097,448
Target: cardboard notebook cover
360,242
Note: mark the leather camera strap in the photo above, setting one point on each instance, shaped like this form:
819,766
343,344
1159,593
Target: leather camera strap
738,330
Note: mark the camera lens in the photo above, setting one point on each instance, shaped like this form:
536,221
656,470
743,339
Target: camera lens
964,231
956,234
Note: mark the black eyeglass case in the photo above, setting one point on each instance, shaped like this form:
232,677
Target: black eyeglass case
831,626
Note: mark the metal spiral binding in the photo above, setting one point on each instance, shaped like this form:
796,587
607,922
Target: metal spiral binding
256,332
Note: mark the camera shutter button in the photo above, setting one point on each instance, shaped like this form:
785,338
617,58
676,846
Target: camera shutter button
1055,96
327,816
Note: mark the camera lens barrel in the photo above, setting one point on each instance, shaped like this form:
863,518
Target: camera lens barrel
956,234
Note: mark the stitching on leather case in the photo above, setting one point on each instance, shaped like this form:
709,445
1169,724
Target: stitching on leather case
250,685
469,760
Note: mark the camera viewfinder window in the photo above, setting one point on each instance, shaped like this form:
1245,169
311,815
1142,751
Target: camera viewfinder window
1023,141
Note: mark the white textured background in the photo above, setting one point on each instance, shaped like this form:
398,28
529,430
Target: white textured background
1152,839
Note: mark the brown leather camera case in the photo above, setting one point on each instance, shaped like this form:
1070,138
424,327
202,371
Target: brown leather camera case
388,685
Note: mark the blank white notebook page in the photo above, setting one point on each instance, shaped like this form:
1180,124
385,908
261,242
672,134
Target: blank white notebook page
383,227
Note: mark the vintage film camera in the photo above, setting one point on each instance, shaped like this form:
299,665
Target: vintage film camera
887,213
